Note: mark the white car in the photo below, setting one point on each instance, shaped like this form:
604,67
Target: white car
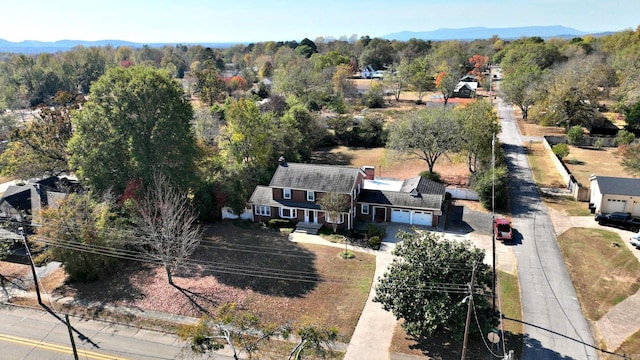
635,240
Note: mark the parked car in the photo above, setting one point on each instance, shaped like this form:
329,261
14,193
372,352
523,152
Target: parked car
502,229
620,220
635,240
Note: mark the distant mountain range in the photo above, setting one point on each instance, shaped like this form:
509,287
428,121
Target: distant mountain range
471,33
474,33
34,47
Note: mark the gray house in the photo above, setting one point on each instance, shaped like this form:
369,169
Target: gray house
614,194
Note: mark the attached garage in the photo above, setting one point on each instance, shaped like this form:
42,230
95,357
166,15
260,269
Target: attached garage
412,217
400,216
615,205
424,218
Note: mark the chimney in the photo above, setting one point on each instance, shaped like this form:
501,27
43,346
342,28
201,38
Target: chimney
369,172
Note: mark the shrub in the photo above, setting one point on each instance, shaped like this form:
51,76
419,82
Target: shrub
346,254
373,230
561,150
374,242
281,223
575,135
624,137
483,185
598,144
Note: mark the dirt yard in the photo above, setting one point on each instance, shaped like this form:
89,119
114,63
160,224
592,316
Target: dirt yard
258,269
453,169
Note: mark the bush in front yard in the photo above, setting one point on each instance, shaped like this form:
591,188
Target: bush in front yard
281,223
373,230
375,242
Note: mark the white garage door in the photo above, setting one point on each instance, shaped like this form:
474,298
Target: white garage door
422,218
636,208
614,205
400,216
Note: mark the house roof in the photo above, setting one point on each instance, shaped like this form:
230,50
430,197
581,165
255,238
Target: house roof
618,186
263,195
472,86
323,178
417,192
401,199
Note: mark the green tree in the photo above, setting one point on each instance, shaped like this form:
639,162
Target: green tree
519,87
425,134
427,281
418,76
374,97
492,186
39,148
478,125
633,116
378,52
166,228
247,135
77,229
210,86
136,123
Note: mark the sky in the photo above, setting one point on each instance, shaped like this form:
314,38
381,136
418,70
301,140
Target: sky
206,21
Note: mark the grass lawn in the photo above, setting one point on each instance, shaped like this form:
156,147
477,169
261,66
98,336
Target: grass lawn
511,308
258,269
584,162
603,270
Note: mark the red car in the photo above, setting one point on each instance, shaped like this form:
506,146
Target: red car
502,229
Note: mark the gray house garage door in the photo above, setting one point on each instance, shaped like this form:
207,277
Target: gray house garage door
615,205
400,216
422,218
414,217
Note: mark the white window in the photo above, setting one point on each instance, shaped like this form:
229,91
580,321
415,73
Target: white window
286,193
288,213
365,209
311,196
263,210
330,220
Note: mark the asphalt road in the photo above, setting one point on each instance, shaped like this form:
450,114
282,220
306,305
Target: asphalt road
30,334
554,325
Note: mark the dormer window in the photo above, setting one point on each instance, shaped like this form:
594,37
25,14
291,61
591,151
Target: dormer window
311,196
286,193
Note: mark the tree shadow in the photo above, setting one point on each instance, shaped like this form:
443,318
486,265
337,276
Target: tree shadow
254,258
124,284
196,298
325,156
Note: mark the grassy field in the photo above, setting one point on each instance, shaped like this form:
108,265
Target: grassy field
584,162
603,270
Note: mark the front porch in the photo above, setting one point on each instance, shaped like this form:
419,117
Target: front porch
308,227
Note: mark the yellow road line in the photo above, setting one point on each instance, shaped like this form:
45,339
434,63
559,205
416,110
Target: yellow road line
58,348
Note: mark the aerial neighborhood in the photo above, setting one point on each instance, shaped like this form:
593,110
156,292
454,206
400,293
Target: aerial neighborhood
280,199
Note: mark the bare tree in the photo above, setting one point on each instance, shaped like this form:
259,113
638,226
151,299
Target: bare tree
334,204
167,225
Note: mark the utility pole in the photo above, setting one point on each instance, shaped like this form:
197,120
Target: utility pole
469,300
493,216
33,266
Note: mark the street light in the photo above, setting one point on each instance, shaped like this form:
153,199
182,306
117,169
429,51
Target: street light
493,216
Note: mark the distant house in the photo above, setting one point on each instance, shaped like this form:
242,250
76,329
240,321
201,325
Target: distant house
465,90
295,189
614,194
25,201
368,72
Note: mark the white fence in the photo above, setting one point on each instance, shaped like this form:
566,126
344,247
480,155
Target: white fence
227,213
462,193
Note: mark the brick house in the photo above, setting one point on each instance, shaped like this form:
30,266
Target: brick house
295,189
